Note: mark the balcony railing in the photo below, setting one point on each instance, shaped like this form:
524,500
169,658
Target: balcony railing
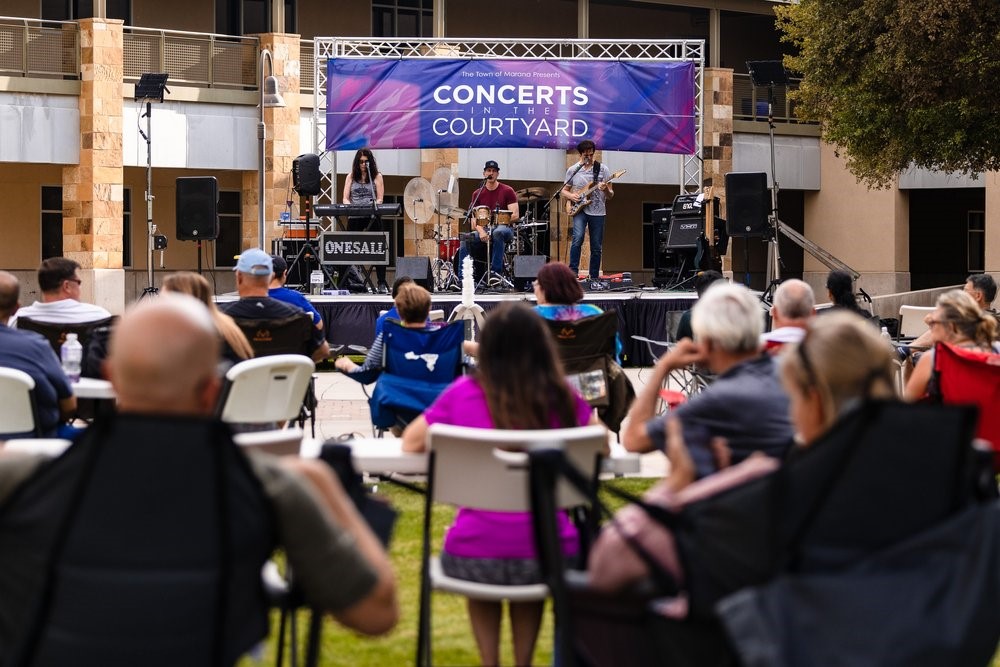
46,49
192,58
307,65
750,101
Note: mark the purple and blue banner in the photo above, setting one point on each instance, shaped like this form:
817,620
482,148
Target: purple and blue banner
428,103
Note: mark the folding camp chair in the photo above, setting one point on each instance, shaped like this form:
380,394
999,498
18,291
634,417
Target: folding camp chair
55,332
967,377
680,384
417,365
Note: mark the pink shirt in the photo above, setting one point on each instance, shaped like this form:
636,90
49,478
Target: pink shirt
479,534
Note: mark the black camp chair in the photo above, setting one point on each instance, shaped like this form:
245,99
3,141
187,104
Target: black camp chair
141,545
887,479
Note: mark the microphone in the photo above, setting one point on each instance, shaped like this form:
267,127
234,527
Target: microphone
418,199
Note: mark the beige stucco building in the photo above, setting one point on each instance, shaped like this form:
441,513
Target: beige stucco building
73,148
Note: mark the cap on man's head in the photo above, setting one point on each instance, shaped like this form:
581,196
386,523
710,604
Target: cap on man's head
254,262
279,265
491,164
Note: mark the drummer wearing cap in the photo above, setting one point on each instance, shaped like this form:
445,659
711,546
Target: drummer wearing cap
492,197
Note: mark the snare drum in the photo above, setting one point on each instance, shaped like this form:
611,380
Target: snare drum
447,248
503,216
481,214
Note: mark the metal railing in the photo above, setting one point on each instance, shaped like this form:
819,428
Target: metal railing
33,48
307,66
192,58
750,101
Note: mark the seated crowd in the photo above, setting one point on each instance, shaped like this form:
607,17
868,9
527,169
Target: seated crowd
773,394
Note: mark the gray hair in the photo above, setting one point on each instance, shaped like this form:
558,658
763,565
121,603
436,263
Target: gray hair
730,316
794,299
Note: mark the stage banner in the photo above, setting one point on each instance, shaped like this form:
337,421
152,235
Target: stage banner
428,103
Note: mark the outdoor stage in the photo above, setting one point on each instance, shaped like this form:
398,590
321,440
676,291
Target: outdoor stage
350,320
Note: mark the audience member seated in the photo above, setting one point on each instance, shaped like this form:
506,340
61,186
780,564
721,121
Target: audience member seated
29,352
793,308
702,281
253,275
277,290
982,288
840,361
958,321
560,297
745,406
392,313
413,303
59,282
162,364
518,384
840,288
234,344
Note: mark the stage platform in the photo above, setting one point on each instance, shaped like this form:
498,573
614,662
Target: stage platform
350,320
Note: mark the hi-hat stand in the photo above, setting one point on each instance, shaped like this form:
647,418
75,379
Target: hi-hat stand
150,88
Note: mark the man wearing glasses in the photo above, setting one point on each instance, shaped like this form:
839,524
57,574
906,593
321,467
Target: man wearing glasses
59,282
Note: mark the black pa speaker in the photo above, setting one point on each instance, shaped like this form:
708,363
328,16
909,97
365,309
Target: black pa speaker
197,208
747,203
526,269
305,174
418,268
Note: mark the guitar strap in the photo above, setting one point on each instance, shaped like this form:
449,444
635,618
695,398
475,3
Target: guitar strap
597,171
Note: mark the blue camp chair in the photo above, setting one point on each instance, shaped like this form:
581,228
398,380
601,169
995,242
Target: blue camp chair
417,365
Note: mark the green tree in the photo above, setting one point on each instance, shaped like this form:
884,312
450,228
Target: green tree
897,83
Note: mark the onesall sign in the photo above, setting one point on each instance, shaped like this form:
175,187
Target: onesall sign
430,103
346,248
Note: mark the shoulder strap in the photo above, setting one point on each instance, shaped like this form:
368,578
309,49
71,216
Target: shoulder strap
597,170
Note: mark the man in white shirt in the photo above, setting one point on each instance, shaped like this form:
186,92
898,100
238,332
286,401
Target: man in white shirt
59,281
794,305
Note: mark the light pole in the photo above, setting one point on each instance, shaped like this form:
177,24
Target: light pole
269,98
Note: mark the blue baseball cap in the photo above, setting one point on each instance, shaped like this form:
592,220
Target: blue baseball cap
255,262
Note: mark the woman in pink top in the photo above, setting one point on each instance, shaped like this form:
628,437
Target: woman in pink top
518,384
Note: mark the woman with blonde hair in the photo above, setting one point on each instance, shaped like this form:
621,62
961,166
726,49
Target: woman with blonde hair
958,321
235,346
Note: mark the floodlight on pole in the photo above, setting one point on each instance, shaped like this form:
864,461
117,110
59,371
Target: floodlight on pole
269,98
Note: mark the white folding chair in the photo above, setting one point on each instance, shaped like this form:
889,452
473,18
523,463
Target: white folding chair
911,320
266,390
48,446
482,469
17,402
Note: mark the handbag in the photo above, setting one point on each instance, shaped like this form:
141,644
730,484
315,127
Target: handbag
377,512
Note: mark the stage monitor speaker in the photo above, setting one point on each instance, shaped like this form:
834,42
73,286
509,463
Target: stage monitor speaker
418,268
747,203
526,268
685,231
306,178
197,208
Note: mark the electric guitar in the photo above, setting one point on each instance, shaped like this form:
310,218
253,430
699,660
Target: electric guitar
572,208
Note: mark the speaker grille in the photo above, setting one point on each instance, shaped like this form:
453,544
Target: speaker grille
197,208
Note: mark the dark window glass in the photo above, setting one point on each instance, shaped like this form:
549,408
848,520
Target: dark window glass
127,227
227,245
56,10
120,9
290,16
255,17
52,220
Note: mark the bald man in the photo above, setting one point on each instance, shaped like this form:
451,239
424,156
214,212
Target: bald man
794,305
29,352
162,362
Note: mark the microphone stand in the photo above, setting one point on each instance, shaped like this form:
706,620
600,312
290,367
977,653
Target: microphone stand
470,215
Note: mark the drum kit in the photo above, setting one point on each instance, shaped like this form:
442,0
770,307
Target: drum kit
423,199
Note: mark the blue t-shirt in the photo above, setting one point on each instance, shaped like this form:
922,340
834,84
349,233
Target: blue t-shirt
380,322
296,299
29,352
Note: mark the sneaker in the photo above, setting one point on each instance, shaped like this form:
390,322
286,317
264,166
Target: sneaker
494,281
383,288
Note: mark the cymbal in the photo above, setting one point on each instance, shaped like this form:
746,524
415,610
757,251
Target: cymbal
453,212
532,224
532,193
443,195
418,200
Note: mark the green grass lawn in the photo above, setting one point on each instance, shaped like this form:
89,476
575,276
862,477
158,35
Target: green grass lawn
452,637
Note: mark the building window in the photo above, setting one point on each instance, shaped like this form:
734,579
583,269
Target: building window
228,244
127,227
250,17
976,227
71,10
402,18
52,221
649,242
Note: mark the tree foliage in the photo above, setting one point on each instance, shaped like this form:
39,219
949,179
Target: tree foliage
897,83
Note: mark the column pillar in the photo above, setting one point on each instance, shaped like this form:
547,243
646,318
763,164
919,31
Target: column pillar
418,239
281,141
92,190
717,137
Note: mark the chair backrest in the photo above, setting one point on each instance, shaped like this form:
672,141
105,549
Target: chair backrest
966,377
432,354
587,348
482,469
266,389
287,335
55,333
911,320
17,402
150,536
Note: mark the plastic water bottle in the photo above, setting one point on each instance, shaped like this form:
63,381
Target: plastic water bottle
72,357
886,336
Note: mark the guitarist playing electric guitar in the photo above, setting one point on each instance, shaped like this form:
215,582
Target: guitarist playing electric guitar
579,185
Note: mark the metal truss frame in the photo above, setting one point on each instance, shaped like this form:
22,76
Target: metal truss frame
688,50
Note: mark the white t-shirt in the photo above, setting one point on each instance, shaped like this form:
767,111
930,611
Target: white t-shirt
64,311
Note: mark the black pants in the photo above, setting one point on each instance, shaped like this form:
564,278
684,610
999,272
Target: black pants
361,225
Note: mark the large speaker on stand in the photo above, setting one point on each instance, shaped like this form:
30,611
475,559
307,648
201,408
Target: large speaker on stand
747,204
197,208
